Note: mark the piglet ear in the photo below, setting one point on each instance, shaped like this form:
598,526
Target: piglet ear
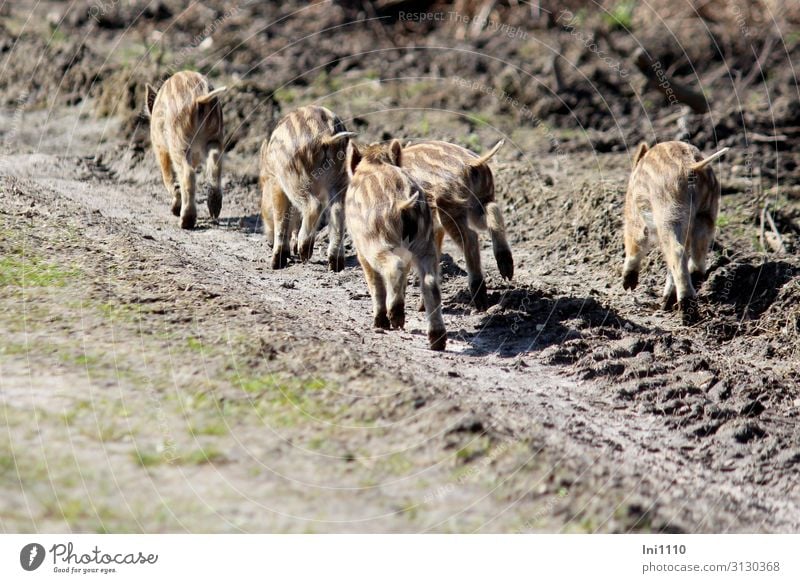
353,158
640,152
149,98
396,152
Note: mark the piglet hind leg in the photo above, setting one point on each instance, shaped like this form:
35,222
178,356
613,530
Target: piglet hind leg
467,240
188,216
702,236
428,270
268,226
214,180
395,274
308,229
438,237
477,283
675,253
668,298
637,244
168,176
281,218
336,235
377,291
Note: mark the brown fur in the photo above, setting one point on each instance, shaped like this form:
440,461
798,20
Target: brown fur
186,129
673,196
392,228
460,187
303,167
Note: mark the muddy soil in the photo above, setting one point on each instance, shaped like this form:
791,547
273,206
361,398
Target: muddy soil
161,380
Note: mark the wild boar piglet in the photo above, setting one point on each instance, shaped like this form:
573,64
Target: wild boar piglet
302,170
672,198
392,229
186,129
459,185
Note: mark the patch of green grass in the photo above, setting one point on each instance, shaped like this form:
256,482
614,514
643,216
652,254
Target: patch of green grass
72,510
327,83
480,119
397,464
14,348
723,220
131,54
255,385
620,16
286,95
273,399
216,427
295,392
581,16
22,270
25,468
57,35
316,443
102,419
476,448
87,360
201,456
7,464
473,142
119,312
148,459
424,127
410,510
281,390
194,344
417,88
91,516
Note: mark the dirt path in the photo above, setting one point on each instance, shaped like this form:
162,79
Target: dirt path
199,390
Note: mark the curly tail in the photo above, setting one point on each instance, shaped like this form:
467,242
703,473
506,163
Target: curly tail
703,163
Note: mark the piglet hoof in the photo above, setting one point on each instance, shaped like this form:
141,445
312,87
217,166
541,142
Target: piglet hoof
381,321
214,203
188,219
176,201
479,297
397,317
280,259
668,302
697,279
690,312
630,280
505,263
306,251
336,263
437,339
